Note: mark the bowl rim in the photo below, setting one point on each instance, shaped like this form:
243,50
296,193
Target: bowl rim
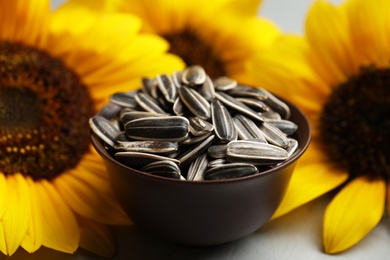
98,146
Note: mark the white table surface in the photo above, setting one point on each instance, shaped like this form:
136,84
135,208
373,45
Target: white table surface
294,236
297,235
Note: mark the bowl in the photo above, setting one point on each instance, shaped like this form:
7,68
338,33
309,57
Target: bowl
201,213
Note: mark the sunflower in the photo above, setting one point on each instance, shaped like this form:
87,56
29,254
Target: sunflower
339,74
54,190
219,35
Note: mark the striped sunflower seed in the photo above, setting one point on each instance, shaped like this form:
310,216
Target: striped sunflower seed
169,128
148,103
276,104
273,135
247,129
147,146
286,126
193,75
246,91
224,83
176,77
197,104
190,154
238,106
148,84
167,87
104,129
292,146
229,171
124,99
217,162
199,126
255,153
138,159
197,168
207,89
128,115
217,151
163,168
223,122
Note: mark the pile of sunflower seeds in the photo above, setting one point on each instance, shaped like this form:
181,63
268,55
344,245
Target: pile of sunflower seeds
189,127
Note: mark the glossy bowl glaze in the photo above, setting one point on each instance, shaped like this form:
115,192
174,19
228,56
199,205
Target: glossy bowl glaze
204,212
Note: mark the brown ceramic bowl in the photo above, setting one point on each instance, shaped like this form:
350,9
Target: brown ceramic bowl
205,212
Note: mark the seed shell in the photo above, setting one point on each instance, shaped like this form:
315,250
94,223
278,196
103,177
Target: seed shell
255,153
231,170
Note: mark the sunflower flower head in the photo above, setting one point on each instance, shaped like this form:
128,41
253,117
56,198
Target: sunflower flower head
219,35
54,190
339,74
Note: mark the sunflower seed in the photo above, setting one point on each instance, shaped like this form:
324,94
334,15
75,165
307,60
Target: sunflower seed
197,104
132,159
176,77
110,111
148,103
237,105
273,135
276,104
224,83
197,168
167,87
231,170
217,151
124,100
148,84
246,91
190,154
170,128
207,89
247,129
286,126
121,137
199,126
127,116
195,139
255,153
256,104
193,75
147,146
217,162
292,147
223,122
179,109
270,115
182,117
163,168
104,129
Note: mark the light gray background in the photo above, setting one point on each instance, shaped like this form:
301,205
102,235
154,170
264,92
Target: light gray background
294,236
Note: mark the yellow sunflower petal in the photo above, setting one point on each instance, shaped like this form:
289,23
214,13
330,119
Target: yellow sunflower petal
370,27
3,195
345,223
34,236
284,70
91,197
327,31
14,224
24,21
247,7
60,229
96,238
388,198
311,179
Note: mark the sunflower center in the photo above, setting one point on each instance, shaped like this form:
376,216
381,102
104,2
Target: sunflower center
355,123
44,111
195,51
